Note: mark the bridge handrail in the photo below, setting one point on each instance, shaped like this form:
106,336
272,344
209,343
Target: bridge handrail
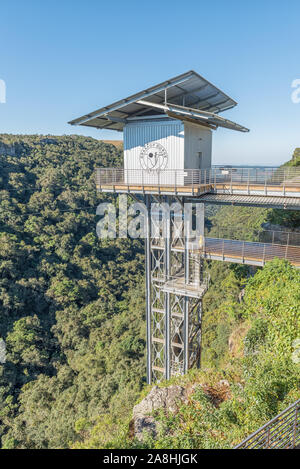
211,176
274,237
283,431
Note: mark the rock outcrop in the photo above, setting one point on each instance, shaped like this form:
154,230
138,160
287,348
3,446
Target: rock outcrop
167,399
7,149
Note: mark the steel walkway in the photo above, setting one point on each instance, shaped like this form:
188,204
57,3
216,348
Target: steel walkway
280,202
251,253
240,252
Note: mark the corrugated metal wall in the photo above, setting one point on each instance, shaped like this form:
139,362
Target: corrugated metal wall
167,132
197,146
185,146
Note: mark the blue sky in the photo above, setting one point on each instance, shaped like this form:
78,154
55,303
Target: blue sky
62,59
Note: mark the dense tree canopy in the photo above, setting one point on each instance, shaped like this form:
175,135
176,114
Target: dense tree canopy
65,297
73,322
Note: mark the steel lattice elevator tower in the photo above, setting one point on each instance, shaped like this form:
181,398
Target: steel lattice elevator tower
175,285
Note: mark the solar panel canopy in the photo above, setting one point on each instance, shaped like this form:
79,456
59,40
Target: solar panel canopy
187,96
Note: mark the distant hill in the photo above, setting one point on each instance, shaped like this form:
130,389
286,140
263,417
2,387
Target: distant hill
295,160
296,154
117,143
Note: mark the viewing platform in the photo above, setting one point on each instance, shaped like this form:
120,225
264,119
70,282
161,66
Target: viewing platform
244,181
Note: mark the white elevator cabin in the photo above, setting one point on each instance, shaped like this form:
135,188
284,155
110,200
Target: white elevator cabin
160,145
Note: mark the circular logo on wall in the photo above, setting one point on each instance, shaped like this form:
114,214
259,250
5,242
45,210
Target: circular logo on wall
153,156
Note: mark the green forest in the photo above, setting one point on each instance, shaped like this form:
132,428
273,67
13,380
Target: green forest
72,315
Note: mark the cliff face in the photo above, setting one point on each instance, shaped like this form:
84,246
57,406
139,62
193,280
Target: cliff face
164,403
296,154
167,399
7,149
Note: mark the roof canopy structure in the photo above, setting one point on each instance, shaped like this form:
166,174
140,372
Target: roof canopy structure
187,97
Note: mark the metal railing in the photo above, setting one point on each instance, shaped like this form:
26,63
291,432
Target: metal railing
202,283
283,238
146,177
280,244
256,175
180,284
248,252
229,178
282,432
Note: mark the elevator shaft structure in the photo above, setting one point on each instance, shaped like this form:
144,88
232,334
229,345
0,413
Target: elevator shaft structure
167,131
175,285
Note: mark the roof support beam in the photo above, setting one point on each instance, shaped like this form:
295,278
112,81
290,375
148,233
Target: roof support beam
115,119
106,126
190,112
220,120
203,122
140,112
174,107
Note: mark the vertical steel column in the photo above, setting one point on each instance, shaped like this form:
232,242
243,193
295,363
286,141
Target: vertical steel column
201,220
148,288
187,229
201,224
167,233
200,333
186,323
